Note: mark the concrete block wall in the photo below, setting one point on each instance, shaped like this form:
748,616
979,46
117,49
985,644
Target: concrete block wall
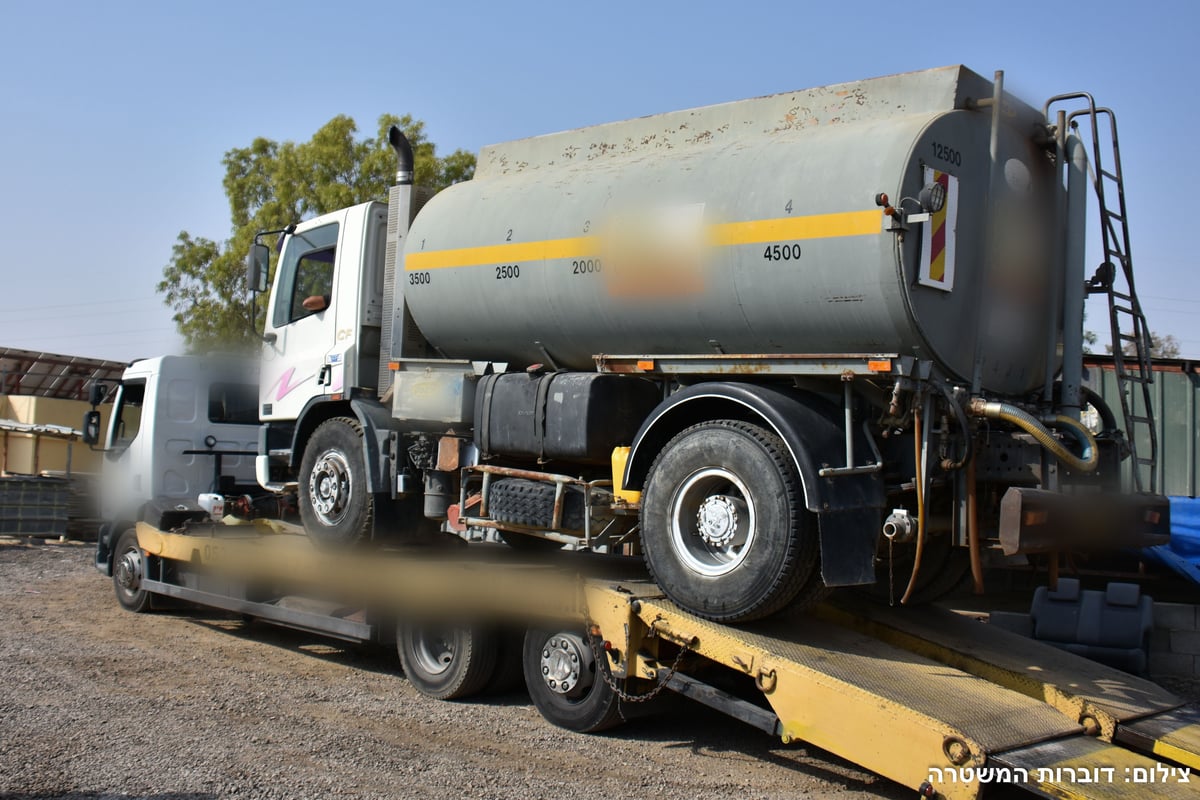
1175,641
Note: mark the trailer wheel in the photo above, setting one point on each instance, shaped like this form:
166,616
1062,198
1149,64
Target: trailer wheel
129,564
724,529
335,504
567,683
446,662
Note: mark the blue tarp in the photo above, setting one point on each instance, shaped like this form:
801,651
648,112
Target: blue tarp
1183,553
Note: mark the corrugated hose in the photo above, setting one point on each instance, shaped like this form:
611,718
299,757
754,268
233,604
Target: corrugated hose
1028,423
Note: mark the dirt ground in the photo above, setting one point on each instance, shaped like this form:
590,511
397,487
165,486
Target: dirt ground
96,702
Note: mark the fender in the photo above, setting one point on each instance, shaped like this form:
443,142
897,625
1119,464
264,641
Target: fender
847,506
377,425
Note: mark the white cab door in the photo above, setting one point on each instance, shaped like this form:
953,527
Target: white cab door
301,320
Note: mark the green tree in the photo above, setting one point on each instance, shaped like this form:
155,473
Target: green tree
1161,346
271,185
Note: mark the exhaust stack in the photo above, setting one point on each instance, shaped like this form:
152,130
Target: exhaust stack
404,156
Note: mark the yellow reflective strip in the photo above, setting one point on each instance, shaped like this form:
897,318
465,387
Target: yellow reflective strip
759,231
1181,745
517,252
817,226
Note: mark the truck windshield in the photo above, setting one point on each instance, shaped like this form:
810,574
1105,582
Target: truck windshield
127,414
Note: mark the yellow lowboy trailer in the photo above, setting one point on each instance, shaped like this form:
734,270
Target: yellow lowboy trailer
933,700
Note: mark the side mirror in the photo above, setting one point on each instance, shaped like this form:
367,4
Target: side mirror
91,427
257,267
96,394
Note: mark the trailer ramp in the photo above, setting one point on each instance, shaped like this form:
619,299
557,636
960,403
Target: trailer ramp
930,699
912,716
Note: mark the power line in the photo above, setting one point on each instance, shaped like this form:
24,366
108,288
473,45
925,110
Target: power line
91,336
77,305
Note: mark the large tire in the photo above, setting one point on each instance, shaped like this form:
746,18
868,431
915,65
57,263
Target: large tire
336,505
129,567
567,682
446,662
531,503
724,528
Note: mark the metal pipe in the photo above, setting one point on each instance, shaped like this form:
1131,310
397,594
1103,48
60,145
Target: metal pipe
920,480
973,542
990,204
404,155
1073,276
1061,230
848,401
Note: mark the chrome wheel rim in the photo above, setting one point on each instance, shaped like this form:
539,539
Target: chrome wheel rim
712,522
128,571
330,487
567,664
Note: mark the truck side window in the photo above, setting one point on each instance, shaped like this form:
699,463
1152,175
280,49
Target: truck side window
306,275
233,403
127,414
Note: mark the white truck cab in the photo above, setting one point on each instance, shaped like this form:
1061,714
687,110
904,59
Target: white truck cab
325,311
180,426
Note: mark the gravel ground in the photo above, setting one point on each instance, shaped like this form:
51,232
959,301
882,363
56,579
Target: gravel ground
96,702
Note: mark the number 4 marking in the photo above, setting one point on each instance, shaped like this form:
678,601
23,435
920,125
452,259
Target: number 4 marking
788,207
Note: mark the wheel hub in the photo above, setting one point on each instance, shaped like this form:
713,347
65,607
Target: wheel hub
434,650
566,663
129,570
717,519
329,487
712,522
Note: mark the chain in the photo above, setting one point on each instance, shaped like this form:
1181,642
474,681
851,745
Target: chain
621,694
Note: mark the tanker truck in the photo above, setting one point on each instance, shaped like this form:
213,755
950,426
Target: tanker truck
817,339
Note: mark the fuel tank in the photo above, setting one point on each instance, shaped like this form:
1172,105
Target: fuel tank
754,227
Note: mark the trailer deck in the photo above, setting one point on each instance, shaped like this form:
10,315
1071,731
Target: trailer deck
933,700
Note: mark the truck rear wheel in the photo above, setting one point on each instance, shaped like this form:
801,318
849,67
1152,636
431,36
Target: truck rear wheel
567,682
129,565
446,662
724,528
336,505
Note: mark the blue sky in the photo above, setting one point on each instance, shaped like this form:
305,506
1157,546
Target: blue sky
116,114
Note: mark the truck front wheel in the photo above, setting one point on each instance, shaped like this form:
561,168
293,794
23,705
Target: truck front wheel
724,528
129,567
336,505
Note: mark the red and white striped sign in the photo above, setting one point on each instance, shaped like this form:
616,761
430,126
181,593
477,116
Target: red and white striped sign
937,237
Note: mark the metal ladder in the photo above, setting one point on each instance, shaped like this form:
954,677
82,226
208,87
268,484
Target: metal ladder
1127,322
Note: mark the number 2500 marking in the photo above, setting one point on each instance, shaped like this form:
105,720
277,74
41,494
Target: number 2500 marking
508,271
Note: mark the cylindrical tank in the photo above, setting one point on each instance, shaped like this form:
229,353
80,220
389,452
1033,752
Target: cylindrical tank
752,227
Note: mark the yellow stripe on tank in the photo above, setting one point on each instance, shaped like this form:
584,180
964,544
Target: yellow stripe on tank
728,234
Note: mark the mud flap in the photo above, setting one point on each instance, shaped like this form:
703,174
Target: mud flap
848,541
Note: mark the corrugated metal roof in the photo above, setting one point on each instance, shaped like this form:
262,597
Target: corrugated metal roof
28,372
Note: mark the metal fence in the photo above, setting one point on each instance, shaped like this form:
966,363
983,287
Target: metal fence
1176,400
